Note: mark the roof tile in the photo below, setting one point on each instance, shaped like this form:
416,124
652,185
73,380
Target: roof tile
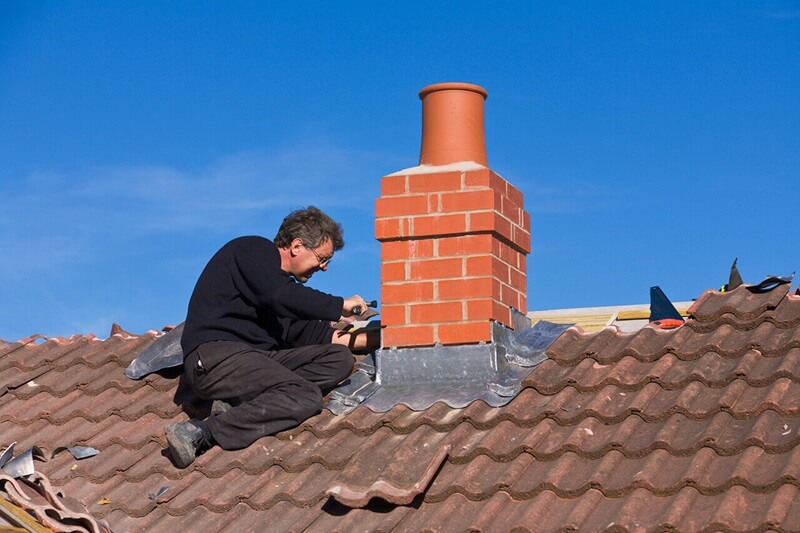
693,428
740,303
397,468
303,489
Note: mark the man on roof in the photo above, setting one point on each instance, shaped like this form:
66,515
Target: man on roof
258,339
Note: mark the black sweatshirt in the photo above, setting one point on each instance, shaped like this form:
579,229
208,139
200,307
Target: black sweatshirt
243,295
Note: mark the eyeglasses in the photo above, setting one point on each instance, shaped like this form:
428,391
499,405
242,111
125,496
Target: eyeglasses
323,261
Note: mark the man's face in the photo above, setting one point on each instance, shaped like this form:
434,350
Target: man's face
308,260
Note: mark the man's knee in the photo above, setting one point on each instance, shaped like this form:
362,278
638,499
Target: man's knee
338,366
303,400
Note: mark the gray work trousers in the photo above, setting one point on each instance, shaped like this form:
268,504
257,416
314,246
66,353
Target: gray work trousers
269,390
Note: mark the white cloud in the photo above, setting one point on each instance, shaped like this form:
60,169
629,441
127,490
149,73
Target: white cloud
56,218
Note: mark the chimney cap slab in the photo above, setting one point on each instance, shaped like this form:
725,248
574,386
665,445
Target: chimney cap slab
460,166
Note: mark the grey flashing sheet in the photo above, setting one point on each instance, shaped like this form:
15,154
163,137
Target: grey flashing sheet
164,352
456,375
22,464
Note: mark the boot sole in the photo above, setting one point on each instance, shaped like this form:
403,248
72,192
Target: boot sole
182,454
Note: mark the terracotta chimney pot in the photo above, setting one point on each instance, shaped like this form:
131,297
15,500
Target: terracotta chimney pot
452,124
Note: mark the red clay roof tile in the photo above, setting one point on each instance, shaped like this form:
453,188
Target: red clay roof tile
694,428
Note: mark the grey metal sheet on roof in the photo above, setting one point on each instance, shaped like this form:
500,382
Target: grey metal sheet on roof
456,375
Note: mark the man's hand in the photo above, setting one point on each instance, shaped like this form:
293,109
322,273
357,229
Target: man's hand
350,304
344,321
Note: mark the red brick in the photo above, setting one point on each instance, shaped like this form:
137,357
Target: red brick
393,185
466,245
511,211
497,245
468,288
439,225
395,271
525,244
465,332
526,221
510,297
411,292
517,280
503,315
522,239
434,203
401,206
394,315
479,265
485,178
437,268
442,181
391,228
507,253
436,312
482,221
470,200
498,183
514,195
490,221
513,255
410,249
486,309
487,265
480,309
405,336
497,289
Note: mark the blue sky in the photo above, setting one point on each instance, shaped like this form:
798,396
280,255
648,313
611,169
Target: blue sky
653,142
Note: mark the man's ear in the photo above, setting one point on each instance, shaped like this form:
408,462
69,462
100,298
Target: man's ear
296,246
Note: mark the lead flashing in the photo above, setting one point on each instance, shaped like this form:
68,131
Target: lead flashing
456,375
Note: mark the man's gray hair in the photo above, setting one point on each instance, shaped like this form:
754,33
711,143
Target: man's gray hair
312,226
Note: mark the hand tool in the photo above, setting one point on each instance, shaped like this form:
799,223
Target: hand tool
357,309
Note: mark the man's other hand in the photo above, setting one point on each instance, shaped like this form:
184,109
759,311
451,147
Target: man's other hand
354,306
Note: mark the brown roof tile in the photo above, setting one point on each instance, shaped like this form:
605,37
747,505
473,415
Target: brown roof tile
696,428
398,469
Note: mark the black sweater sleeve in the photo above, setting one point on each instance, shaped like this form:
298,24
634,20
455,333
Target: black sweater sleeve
243,295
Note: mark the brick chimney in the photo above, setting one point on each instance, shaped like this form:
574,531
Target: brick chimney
454,235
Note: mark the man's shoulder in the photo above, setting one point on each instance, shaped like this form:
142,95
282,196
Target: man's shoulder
249,248
250,240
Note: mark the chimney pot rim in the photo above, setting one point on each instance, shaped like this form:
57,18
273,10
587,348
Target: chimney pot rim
453,86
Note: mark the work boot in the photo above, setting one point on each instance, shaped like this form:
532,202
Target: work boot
187,440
